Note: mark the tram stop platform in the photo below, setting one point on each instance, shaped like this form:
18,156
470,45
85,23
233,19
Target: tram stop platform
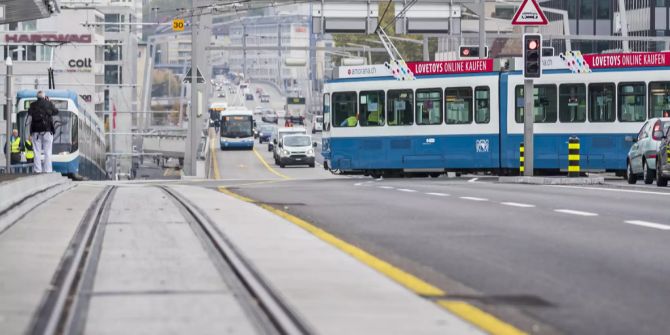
115,258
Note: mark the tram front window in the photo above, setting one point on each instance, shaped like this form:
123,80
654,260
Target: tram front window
64,137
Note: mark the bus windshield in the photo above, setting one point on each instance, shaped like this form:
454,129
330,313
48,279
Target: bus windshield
236,126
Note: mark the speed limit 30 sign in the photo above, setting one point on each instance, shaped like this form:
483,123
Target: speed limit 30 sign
178,25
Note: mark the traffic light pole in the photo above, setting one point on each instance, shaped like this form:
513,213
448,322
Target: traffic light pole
528,116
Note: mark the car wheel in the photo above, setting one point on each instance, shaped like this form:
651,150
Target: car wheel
282,166
312,165
660,180
647,173
630,176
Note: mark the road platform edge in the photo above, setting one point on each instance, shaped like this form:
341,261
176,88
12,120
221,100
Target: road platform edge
552,180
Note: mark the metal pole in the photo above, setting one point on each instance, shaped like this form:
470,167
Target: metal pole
426,55
624,24
192,138
528,119
8,116
482,29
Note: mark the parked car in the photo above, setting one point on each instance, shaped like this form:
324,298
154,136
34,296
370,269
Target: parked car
265,132
249,97
296,150
269,116
641,160
265,98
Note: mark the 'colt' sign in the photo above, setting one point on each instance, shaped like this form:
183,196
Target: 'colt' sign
37,38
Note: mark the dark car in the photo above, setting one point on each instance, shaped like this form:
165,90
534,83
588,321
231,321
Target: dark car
663,160
270,116
249,97
265,132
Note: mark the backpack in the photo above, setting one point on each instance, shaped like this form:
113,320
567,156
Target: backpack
41,119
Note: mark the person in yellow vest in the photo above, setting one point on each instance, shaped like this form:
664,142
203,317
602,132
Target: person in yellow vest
15,148
350,121
30,154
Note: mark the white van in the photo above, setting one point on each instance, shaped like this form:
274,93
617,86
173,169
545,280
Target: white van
317,123
278,135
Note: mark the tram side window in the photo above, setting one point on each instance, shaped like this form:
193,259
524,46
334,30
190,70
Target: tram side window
601,102
572,103
75,133
326,112
482,104
458,101
544,103
371,107
659,98
344,109
400,111
631,102
429,106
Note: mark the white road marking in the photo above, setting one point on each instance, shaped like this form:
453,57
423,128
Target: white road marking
386,187
473,180
438,194
358,184
474,199
406,190
516,204
611,190
648,224
573,212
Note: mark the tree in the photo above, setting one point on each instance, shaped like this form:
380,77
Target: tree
162,80
409,51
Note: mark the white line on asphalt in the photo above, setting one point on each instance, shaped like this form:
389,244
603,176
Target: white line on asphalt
474,199
473,180
386,187
406,190
516,204
358,184
611,190
648,224
438,194
573,212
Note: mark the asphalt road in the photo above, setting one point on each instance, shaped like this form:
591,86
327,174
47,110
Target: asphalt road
580,260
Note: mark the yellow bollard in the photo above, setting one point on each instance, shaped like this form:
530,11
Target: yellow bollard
521,159
573,157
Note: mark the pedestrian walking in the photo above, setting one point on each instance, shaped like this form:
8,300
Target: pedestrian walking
15,147
42,129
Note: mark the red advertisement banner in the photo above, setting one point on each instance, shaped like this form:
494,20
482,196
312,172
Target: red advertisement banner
451,67
637,59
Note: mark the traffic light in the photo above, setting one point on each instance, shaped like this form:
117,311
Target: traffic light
471,51
532,55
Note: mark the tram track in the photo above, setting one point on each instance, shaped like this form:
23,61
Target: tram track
65,307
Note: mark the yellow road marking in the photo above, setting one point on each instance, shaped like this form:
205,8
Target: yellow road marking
467,312
215,160
267,166
479,318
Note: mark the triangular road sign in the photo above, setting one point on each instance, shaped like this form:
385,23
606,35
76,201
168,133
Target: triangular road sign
529,14
189,76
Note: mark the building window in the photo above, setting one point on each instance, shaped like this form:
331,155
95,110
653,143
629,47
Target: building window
604,8
31,52
113,74
113,50
544,103
601,102
344,109
458,103
371,107
44,53
400,111
14,26
631,102
110,19
572,103
429,106
586,9
14,51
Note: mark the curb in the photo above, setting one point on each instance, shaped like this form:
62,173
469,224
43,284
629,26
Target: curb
552,180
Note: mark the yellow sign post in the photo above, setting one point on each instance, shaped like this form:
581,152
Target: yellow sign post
178,25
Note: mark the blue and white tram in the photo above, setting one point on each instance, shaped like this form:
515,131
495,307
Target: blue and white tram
79,142
474,122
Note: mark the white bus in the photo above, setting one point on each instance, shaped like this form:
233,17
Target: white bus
237,129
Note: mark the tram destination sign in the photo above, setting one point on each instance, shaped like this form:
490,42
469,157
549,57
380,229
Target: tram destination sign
451,67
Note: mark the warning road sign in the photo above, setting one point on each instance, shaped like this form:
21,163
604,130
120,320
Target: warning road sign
529,14
189,76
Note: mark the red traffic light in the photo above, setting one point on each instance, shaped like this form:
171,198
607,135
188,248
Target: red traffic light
465,52
533,44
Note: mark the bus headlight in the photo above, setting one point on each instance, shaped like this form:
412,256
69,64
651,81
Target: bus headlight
63,153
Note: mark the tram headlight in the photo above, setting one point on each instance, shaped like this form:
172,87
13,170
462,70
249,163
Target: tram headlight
63,153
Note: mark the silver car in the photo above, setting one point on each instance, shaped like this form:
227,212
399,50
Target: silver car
642,154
